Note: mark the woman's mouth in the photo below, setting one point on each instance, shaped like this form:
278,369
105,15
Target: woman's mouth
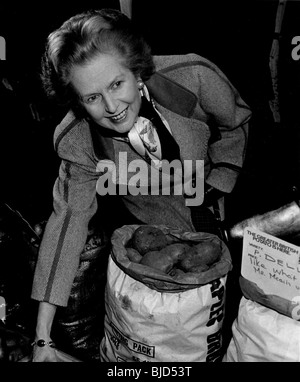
120,117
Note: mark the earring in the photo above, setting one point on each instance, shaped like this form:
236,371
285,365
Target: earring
140,84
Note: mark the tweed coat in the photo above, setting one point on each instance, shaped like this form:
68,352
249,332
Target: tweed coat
199,104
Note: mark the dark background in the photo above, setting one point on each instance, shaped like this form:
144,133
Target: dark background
236,35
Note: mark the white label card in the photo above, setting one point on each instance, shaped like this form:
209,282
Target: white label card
271,263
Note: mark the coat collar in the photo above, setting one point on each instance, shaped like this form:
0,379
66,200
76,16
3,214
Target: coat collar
172,95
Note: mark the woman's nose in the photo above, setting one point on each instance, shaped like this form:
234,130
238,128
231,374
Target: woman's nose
111,104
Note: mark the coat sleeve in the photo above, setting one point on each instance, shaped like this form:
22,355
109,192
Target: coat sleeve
74,203
229,115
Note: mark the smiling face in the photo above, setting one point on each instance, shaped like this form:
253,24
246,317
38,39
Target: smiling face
108,91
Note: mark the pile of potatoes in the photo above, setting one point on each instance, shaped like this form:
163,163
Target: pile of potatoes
152,247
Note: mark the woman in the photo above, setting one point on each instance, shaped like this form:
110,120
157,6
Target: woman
118,92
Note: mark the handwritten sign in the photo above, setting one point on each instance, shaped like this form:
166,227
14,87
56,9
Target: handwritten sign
271,263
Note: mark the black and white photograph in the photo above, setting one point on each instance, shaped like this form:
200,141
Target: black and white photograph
150,184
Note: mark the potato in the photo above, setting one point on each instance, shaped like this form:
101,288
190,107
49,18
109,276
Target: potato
155,259
190,260
201,254
175,252
148,238
209,251
133,255
166,258
199,268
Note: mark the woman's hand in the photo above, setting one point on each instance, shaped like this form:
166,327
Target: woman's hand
44,354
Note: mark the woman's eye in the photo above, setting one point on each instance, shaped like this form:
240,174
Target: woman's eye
117,84
92,98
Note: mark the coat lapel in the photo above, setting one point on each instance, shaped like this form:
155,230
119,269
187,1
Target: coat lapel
172,95
177,104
